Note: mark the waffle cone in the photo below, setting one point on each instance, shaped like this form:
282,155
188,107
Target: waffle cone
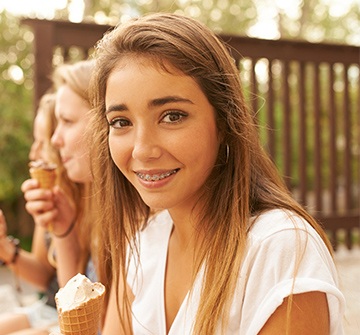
83,320
45,177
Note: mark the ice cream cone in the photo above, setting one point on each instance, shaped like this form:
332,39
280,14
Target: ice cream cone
46,178
80,318
45,174
83,320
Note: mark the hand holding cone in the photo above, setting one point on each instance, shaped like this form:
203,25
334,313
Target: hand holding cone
45,174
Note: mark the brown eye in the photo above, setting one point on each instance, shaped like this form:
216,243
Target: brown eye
119,123
174,117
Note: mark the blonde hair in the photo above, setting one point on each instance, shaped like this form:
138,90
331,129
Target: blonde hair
77,77
242,185
46,110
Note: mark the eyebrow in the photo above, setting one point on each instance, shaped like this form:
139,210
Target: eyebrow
153,103
116,108
168,99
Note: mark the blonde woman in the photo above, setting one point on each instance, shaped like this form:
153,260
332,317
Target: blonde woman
229,251
36,267
71,220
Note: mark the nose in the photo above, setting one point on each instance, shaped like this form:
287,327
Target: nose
146,145
56,138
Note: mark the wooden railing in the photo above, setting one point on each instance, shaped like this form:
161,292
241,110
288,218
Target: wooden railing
306,100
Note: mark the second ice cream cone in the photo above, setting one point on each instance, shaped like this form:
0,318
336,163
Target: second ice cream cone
45,174
46,178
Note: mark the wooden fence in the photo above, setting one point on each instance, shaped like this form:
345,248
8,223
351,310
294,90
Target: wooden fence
306,99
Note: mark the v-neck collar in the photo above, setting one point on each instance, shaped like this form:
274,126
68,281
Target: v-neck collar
176,324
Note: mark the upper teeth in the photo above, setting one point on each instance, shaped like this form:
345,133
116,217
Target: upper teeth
155,177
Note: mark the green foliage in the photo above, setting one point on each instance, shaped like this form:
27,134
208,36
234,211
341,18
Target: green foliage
313,20
16,109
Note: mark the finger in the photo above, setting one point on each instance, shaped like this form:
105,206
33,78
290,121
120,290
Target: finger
29,184
3,227
39,207
45,219
38,194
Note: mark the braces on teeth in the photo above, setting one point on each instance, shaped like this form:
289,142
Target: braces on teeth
148,177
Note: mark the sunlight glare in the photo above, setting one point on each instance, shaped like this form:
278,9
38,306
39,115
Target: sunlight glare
338,8
76,11
266,25
16,74
40,8
291,8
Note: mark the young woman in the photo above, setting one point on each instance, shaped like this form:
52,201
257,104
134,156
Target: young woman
36,267
72,221
228,250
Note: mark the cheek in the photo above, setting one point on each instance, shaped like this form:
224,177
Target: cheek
116,152
202,147
78,140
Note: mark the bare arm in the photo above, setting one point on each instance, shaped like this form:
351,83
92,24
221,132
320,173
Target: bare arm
112,324
67,247
309,315
31,266
53,206
67,257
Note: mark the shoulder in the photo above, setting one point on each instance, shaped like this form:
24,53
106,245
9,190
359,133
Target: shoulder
284,234
282,238
286,250
278,221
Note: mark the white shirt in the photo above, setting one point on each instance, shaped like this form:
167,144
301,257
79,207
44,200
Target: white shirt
275,243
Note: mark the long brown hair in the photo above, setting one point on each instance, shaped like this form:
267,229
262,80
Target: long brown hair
244,181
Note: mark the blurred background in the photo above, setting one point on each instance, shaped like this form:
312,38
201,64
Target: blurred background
331,21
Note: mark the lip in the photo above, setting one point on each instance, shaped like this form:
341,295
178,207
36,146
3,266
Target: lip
155,178
65,159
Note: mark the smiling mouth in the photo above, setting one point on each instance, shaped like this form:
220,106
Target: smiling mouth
156,177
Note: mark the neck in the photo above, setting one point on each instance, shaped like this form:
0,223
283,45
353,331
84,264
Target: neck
185,227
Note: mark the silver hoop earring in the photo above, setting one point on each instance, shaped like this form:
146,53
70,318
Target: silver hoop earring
227,153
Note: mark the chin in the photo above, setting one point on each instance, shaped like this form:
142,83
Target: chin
159,204
75,177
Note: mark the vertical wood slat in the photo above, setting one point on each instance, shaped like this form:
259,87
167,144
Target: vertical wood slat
66,54
43,52
357,140
347,136
254,89
302,136
348,144
333,238
287,124
270,114
86,52
332,141
317,137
